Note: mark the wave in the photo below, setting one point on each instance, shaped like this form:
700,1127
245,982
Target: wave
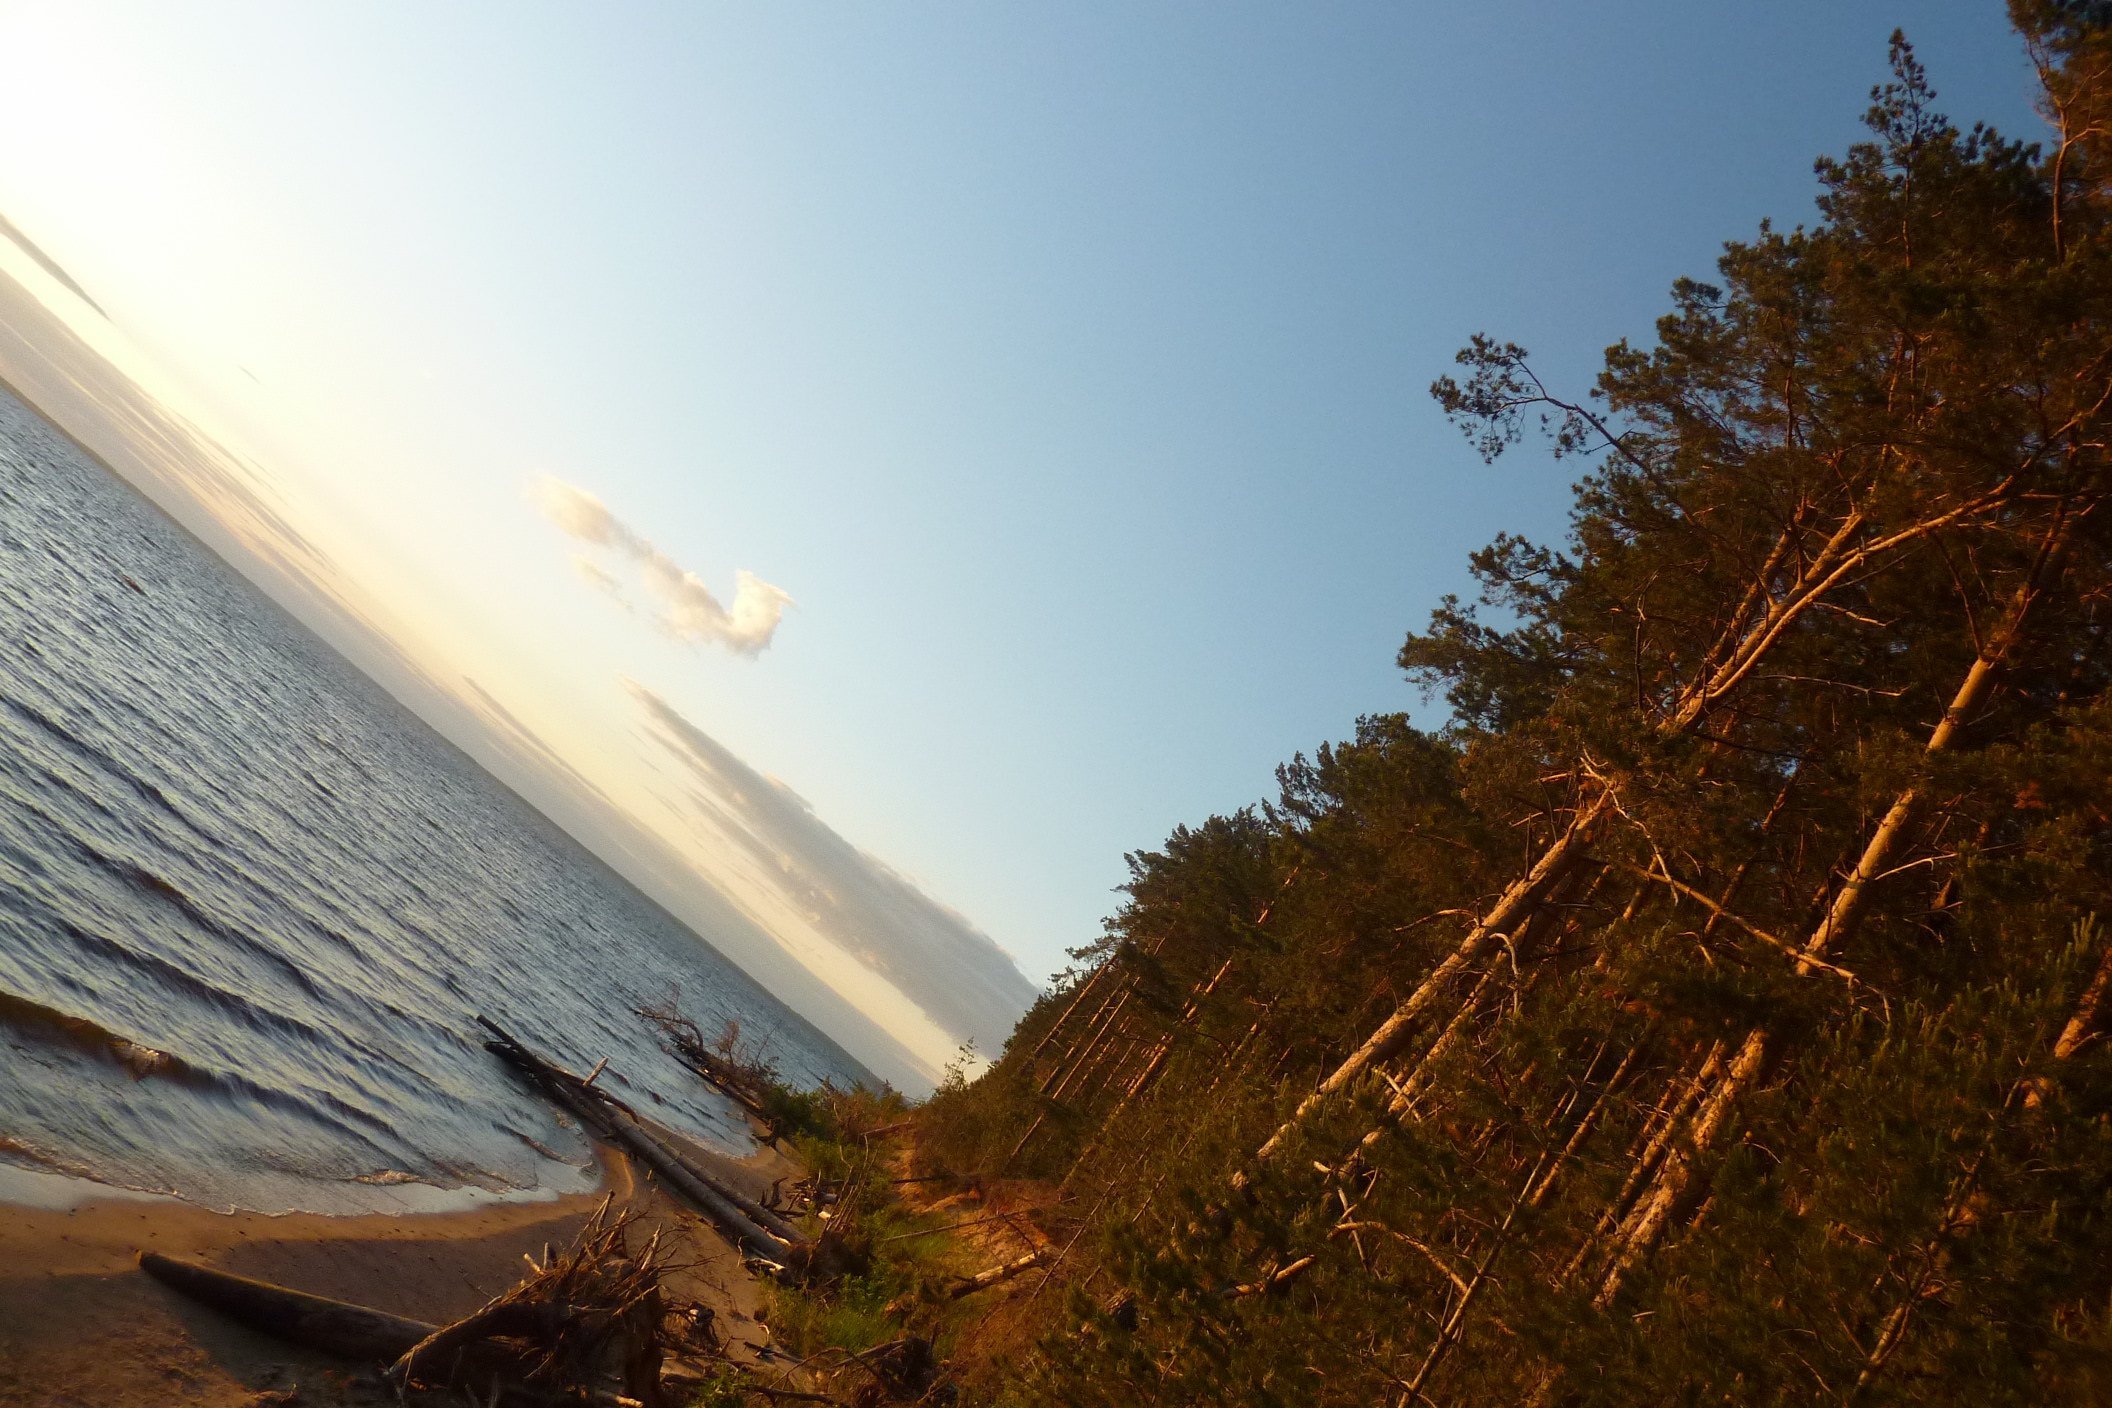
20,1153
175,897
180,980
56,1027
98,758
218,837
82,1034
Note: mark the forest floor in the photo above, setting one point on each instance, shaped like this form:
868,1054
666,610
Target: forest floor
926,1233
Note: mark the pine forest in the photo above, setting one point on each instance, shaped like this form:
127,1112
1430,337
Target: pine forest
1712,1006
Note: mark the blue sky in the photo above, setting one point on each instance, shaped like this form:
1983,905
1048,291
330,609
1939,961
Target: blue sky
1064,364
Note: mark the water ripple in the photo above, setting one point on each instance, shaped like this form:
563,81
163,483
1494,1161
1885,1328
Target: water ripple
248,903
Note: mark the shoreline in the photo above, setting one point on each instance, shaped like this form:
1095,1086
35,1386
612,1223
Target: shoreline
103,1230
81,1325
48,1190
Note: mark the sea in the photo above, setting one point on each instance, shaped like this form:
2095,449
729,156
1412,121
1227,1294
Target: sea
250,905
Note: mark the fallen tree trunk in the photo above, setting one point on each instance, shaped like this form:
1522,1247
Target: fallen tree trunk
340,1329
587,1327
333,1327
1767,612
753,1229
1934,1255
1686,1163
998,1275
1272,1280
745,1082
672,1166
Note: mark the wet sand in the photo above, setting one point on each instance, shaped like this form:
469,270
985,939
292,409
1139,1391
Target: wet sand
81,1326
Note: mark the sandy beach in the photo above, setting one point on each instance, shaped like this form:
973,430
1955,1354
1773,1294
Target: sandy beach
81,1326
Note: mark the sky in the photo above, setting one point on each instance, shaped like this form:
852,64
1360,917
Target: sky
896,459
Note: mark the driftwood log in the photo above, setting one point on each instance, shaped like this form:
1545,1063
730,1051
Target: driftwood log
512,1352
755,1231
333,1327
337,1328
745,1082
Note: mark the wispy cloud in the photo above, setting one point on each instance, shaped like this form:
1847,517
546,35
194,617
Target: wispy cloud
48,264
683,605
596,576
961,981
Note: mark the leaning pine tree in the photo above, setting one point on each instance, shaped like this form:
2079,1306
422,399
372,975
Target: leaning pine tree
1770,1064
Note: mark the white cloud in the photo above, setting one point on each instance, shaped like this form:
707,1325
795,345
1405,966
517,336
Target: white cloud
686,608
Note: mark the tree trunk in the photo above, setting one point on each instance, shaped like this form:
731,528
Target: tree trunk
1935,1256
332,1327
997,1275
1085,989
1740,647
1393,1035
1683,1164
1539,1183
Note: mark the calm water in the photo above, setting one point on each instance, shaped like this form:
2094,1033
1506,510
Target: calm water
220,842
